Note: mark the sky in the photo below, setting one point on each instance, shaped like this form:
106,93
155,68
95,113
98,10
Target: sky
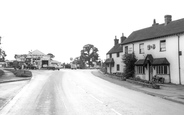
63,27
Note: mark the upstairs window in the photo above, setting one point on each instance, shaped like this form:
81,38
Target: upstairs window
110,55
126,49
162,45
141,48
117,54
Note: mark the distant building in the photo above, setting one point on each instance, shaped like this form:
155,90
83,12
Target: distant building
38,58
114,57
159,50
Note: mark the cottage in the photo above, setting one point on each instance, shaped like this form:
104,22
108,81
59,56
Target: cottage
159,50
114,57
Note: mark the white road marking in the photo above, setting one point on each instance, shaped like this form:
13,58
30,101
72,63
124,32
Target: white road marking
96,98
115,111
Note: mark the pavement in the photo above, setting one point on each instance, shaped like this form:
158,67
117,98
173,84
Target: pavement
10,85
171,92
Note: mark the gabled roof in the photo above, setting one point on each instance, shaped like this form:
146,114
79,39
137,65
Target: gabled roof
36,52
156,31
115,49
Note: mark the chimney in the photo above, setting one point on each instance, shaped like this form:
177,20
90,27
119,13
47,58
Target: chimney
168,19
116,41
122,38
154,23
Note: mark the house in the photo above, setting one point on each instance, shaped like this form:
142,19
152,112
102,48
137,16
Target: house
114,57
159,50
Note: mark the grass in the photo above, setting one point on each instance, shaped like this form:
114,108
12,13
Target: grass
21,73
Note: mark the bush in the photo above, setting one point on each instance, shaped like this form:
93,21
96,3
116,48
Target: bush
1,73
129,60
145,83
23,73
104,70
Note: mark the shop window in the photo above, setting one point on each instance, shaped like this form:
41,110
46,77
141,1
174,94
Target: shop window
163,45
141,48
162,69
140,70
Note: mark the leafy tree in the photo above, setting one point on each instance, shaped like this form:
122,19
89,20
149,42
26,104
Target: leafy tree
89,54
129,61
51,55
80,62
15,56
2,54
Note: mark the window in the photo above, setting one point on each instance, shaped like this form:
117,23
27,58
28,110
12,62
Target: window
117,67
126,49
117,54
141,48
162,69
140,70
110,55
162,45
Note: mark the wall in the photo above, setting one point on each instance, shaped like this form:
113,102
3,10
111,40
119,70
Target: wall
181,40
117,60
171,53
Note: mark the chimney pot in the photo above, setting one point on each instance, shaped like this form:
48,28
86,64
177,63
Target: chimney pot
116,41
122,38
168,19
154,23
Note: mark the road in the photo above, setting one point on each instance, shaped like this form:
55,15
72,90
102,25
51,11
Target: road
78,92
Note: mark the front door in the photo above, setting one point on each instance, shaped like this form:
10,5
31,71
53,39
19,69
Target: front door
110,68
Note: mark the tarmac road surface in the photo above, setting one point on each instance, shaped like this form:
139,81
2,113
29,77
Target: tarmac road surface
78,92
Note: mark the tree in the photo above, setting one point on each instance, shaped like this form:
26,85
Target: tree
89,54
51,55
129,61
80,62
2,55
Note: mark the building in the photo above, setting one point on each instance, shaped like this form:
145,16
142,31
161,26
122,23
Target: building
159,50
38,58
114,57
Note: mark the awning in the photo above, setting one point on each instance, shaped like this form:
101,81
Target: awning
109,60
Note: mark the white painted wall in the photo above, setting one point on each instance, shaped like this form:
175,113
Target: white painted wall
181,39
117,60
171,54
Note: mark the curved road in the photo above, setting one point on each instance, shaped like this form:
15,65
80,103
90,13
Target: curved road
78,92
